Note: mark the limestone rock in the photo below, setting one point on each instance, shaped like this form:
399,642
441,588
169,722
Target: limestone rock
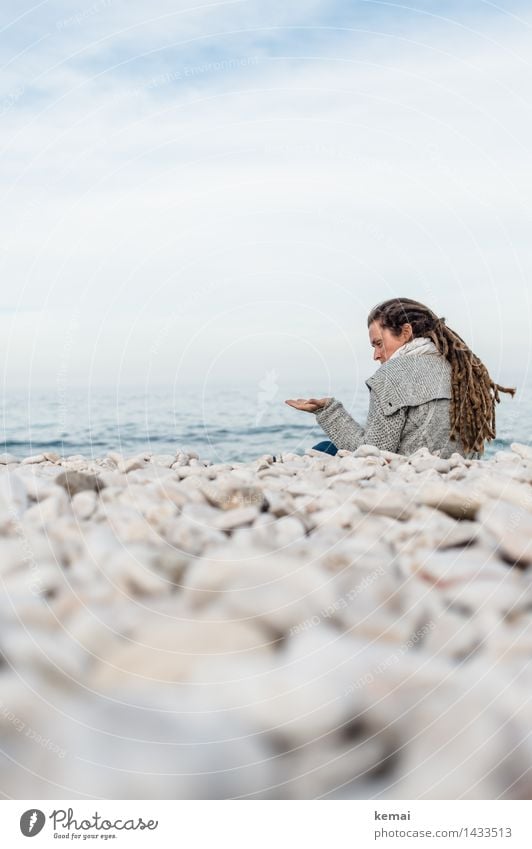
523,451
166,460
312,627
133,463
386,503
13,497
367,451
511,528
459,503
84,504
235,518
52,456
35,458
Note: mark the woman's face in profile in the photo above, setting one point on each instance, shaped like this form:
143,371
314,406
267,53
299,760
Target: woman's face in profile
383,341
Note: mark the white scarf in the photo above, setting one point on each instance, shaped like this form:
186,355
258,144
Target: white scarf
419,345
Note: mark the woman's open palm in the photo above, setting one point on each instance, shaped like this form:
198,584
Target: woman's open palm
309,405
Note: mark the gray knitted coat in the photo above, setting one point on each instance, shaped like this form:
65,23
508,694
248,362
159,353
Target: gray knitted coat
409,401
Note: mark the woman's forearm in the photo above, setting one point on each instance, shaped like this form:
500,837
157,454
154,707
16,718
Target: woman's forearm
382,430
340,427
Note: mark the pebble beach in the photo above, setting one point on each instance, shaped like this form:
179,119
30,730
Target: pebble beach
295,627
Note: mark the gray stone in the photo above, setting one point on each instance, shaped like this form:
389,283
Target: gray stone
232,496
75,482
235,518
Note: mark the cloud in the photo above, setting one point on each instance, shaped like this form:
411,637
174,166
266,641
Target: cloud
324,168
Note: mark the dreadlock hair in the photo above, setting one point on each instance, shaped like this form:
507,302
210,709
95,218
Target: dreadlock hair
474,393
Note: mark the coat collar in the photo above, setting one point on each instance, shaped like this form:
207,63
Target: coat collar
410,381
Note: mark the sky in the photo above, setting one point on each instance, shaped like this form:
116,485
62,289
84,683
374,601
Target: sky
207,193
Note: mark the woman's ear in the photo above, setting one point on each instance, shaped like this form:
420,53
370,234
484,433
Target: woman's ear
408,333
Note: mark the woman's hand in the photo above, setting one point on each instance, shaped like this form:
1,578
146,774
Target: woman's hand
309,405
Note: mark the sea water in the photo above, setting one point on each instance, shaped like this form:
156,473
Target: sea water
227,424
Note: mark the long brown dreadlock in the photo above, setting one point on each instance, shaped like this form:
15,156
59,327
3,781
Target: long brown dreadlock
474,393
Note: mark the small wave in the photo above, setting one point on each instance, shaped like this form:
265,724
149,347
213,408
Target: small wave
244,432
32,443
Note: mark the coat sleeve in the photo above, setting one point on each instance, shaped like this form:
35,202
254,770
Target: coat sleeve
383,431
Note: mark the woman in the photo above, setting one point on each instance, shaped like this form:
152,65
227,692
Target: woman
431,390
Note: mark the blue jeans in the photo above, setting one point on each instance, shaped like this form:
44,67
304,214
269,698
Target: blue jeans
326,446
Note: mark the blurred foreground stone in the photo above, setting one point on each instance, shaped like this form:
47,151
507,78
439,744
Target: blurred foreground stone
356,626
